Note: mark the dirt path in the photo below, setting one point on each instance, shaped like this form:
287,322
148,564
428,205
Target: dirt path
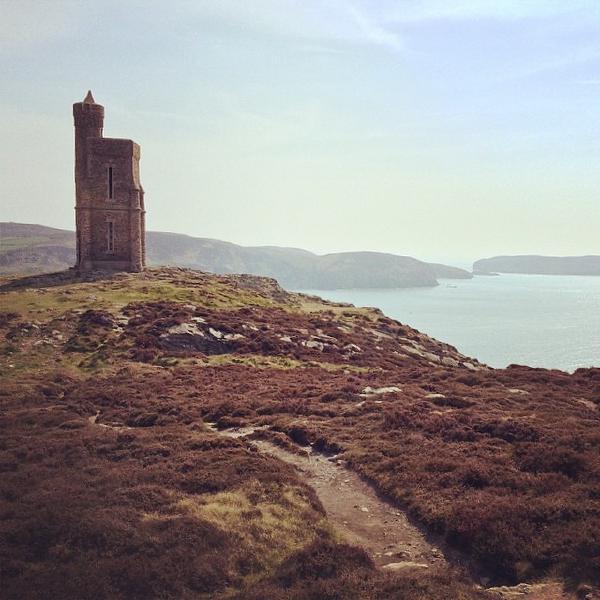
366,520
358,514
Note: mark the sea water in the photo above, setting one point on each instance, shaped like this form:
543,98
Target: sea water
537,320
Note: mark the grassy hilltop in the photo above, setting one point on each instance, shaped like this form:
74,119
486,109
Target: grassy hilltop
113,486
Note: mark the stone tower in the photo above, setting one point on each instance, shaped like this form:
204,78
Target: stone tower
109,199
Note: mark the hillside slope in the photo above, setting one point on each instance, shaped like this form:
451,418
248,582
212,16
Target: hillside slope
35,249
114,486
26,248
539,265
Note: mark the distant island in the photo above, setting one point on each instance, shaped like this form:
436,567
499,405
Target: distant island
539,265
30,249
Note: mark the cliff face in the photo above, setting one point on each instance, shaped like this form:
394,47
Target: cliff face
36,249
113,486
539,265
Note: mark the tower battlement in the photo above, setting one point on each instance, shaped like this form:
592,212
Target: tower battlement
109,204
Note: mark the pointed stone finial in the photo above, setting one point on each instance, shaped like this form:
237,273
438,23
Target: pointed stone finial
89,99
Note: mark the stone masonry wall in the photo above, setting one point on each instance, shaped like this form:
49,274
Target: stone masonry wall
95,208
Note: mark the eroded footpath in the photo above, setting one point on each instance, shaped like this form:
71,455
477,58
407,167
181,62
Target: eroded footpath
365,519
358,514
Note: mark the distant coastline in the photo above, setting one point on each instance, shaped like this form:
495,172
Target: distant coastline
538,265
31,249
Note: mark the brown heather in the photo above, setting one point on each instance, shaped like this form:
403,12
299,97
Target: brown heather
113,487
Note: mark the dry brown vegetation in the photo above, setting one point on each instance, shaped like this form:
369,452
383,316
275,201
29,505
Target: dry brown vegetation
111,485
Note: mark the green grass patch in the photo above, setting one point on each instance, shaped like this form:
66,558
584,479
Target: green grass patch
270,523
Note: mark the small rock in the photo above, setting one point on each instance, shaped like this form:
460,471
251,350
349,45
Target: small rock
509,592
370,391
183,329
233,336
314,344
585,591
449,362
324,337
398,566
352,348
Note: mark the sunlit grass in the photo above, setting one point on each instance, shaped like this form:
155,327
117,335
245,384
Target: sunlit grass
270,523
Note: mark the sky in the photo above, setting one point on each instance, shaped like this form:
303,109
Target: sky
446,130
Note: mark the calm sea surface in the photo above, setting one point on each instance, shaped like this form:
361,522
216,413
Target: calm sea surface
537,320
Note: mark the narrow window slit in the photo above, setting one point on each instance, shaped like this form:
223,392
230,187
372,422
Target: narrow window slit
111,187
110,236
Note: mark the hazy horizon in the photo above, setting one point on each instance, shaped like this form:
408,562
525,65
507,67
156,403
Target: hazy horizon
448,132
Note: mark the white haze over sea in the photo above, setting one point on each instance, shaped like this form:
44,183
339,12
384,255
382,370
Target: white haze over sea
537,320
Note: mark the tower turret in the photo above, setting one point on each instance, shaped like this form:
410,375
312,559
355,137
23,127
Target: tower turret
89,122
